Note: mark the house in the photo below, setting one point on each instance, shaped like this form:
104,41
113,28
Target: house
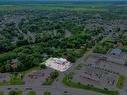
59,64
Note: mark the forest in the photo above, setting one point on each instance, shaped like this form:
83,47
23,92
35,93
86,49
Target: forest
29,36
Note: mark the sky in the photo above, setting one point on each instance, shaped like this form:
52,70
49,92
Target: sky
63,0
55,0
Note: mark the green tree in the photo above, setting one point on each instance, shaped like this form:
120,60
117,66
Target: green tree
47,93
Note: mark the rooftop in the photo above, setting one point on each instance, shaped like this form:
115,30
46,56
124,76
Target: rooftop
116,51
59,64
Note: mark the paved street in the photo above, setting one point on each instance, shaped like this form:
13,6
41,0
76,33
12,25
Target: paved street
57,88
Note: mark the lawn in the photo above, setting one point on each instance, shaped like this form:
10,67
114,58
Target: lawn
31,70
87,57
120,83
51,78
78,66
16,79
49,81
1,93
15,93
46,93
51,7
31,93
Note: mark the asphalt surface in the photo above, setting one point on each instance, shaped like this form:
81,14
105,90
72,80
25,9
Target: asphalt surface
57,88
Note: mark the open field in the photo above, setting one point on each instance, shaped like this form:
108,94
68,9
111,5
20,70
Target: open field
121,82
51,7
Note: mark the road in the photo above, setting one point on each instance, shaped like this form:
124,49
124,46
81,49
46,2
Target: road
57,88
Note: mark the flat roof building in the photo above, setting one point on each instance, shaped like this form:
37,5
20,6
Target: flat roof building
117,56
59,64
116,51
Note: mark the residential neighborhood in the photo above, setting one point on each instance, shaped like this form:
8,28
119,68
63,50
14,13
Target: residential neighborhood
63,47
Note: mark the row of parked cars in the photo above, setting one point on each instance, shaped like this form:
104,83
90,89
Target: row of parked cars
28,88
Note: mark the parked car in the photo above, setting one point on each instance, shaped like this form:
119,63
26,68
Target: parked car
28,88
9,88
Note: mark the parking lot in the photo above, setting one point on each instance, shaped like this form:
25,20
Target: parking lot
94,71
37,78
96,76
4,77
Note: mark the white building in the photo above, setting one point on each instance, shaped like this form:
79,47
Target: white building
59,64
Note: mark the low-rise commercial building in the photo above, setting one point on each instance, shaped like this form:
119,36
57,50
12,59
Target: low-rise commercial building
59,64
117,56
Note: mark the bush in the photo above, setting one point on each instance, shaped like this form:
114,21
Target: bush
31,93
47,93
43,66
15,93
120,83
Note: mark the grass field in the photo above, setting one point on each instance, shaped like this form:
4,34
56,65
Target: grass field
16,79
120,83
51,7
15,93
1,93
31,93
87,57
31,70
46,93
